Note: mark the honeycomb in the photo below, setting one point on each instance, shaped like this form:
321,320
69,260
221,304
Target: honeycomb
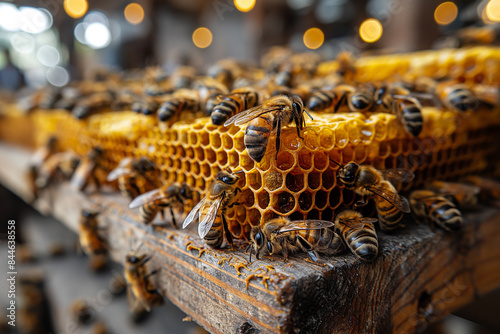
115,132
301,182
472,65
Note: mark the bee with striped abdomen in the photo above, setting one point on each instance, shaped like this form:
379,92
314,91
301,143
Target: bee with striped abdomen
358,233
60,165
211,210
181,101
92,103
140,289
169,196
280,235
36,162
231,104
465,196
90,241
368,182
435,209
397,100
135,176
87,169
457,96
273,114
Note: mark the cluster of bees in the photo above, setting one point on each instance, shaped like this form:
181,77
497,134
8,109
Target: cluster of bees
264,102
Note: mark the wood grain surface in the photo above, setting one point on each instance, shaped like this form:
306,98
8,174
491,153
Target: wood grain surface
418,277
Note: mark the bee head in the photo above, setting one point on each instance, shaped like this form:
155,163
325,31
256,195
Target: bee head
258,241
143,164
133,259
89,213
186,191
227,178
347,174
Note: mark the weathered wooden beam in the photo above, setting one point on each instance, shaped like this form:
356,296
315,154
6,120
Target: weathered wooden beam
418,277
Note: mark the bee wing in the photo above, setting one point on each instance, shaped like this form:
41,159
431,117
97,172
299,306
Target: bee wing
132,300
207,220
145,198
357,222
247,115
82,173
117,172
297,225
398,174
194,213
395,199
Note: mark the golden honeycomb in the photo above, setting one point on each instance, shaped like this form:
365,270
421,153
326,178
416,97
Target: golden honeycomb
471,65
301,182
115,132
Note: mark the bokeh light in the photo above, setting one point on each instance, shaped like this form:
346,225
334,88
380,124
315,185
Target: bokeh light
97,35
313,38
75,8
202,37
9,17
445,13
33,20
244,5
134,13
48,55
57,76
22,42
370,30
492,10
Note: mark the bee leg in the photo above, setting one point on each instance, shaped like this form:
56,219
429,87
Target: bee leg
154,272
96,181
307,247
361,202
278,139
233,204
229,236
173,217
343,99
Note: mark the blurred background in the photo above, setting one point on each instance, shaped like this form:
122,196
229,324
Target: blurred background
55,41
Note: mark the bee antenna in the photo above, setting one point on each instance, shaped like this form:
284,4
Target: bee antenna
308,114
229,170
250,255
139,248
335,162
238,172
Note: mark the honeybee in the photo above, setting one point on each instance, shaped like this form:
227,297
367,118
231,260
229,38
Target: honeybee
145,106
238,100
285,75
48,97
346,65
90,241
135,176
60,165
211,210
359,234
69,98
285,236
487,95
139,286
369,182
87,169
92,103
209,90
457,96
275,113
170,195
489,189
183,77
124,100
465,196
397,100
357,99
434,208
183,100
36,162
